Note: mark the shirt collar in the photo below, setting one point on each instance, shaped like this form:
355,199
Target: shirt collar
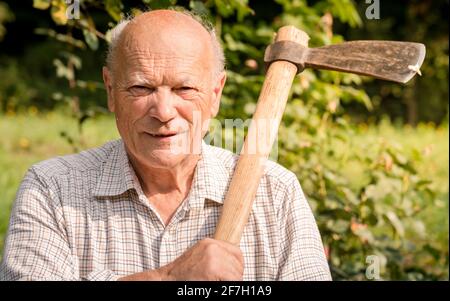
211,177
116,176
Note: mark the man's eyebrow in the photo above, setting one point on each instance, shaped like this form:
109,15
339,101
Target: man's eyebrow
139,79
187,80
186,83
182,79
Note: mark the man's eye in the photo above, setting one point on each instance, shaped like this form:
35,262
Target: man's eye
141,90
185,89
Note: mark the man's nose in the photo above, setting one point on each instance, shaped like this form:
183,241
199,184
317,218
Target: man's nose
162,105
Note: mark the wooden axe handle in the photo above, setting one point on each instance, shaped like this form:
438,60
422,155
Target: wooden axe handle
258,143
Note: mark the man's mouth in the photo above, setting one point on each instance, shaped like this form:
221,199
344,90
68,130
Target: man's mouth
165,135
162,135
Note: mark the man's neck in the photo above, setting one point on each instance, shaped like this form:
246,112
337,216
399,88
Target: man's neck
166,189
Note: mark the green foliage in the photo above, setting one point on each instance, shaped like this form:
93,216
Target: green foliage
368,196
114,9
376,213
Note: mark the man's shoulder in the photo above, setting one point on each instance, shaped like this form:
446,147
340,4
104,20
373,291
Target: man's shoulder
274,173
85,160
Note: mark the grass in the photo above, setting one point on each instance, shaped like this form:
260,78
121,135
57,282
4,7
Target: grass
30,138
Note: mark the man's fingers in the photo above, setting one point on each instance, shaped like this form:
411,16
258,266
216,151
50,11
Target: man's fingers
209,259
227,259
235,250
230,276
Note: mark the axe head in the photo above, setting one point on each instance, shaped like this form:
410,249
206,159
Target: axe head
388,60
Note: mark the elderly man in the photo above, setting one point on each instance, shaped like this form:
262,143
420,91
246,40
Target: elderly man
135,209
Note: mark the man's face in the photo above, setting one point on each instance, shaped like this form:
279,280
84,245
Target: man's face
161,88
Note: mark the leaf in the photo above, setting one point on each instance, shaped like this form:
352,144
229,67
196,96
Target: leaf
62,70
224,8
199,8
41,4
243,9
91,39
419,228
249,108
58,12
338,226
364,234
76,61
72,59
157,4
234,45
346,12
350,195
114,8
350,93
396,223
60,37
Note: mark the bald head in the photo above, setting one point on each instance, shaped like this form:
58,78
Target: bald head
167,32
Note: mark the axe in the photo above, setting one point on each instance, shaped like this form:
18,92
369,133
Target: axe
287,56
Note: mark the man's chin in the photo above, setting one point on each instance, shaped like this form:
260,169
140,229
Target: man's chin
165,158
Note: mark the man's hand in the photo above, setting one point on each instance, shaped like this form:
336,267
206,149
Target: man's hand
209,259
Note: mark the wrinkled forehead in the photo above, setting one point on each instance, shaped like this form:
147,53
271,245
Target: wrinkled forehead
174,46
173,40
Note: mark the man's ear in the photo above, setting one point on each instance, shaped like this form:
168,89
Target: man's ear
108,85
217,93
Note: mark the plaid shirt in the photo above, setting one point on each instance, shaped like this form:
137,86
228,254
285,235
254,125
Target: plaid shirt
85,217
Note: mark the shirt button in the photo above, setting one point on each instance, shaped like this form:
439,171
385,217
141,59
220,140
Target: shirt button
169,232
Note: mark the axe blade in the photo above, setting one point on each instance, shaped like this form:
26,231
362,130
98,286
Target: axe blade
388,60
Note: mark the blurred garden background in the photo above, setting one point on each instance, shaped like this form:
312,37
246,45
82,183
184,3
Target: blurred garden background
372,156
